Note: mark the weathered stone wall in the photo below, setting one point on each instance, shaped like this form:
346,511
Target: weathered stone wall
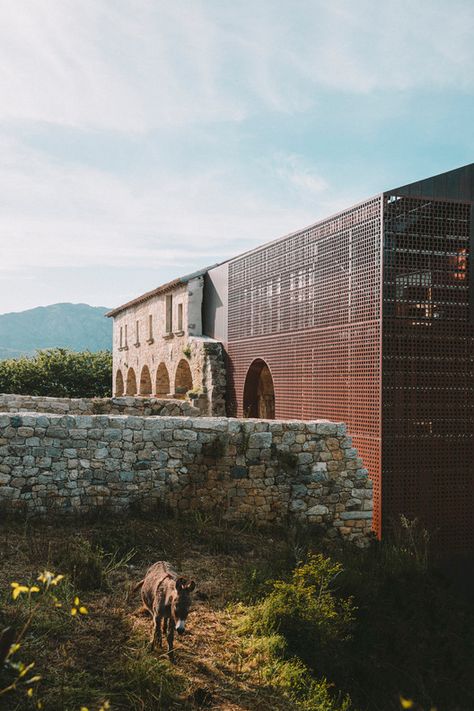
97,406
263,470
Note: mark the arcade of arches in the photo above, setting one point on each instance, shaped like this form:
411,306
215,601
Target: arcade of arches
183,382
170,372
259,393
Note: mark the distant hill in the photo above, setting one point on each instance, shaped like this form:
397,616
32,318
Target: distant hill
78,327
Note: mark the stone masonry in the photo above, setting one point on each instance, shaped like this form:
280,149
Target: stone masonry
97,406
267,471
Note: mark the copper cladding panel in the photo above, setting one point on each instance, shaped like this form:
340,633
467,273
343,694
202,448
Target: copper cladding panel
428,357
310,306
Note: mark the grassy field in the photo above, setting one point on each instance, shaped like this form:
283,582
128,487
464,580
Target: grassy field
243,648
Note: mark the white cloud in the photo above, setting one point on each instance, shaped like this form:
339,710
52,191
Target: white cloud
139,64
71,216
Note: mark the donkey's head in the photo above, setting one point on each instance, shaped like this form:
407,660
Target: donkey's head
181,602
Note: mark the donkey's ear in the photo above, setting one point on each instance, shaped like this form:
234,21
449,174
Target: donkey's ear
191,585
180,584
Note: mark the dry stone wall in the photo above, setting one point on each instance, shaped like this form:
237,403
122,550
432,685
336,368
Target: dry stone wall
268,471
141,406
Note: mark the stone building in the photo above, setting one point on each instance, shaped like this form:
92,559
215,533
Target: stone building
365,317
159,349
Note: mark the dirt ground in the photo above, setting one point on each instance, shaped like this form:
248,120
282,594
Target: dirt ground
104,655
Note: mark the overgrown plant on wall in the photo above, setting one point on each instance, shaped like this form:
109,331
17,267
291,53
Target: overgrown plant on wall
58,372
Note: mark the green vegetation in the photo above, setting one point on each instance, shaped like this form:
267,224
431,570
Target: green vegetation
58,372
280,622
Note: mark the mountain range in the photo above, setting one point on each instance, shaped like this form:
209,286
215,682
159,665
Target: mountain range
78,327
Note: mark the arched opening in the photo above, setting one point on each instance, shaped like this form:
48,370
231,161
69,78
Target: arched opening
162,381
119,384
145,381
131,382
183,381
259,393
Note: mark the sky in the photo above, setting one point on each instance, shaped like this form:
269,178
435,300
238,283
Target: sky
143,139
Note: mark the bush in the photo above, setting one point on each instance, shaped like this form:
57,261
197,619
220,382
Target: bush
58,372
306,613
299,628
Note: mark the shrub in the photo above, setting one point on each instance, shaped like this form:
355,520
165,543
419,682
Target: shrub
58,372
306,613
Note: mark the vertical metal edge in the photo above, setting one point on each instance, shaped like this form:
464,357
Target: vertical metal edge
381,261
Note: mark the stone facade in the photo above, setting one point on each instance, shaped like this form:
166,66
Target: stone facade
159,349
267,471
97,406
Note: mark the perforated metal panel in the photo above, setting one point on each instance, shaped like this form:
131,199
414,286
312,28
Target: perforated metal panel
309,305
428,357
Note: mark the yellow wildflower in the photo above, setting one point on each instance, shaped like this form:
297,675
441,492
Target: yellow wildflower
77,607
406,703
18,589
49,578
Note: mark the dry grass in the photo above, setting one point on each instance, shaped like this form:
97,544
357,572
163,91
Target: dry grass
105,655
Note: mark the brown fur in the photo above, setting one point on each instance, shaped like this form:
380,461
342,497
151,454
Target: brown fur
167,597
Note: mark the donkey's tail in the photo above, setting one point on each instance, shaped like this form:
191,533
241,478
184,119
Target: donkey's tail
138,585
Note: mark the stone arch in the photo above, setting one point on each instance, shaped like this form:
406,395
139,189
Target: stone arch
131,382
183,380
118,383
162,381
145,382
259,392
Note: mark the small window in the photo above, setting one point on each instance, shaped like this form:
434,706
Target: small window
121,337
169,313
126,336
137,333
150,327
180,317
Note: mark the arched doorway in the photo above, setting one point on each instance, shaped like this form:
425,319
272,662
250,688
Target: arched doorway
183,380
119,384
145,381
162,381
131,382
259,393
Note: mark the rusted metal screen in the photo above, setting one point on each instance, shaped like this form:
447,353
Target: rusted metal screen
428,357
309,305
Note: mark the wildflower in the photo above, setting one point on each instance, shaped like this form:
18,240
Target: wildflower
49,578
406,703
24,669
19,589
56,601
78,608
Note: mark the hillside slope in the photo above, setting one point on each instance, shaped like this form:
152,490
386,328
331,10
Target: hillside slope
75,326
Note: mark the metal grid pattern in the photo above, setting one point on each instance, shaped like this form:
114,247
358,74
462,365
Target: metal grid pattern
428,355
309,306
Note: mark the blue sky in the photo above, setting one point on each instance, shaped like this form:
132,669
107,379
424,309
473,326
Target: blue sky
143,139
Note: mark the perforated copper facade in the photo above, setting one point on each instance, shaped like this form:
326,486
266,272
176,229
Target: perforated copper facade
310,306
428,402
387,349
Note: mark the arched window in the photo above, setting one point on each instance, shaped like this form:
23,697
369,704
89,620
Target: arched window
131,382
145,381
119,384
259,393
162,381
183,381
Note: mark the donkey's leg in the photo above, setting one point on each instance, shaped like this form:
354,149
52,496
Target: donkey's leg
170,639
156,631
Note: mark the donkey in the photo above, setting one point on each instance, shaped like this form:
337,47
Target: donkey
167,597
